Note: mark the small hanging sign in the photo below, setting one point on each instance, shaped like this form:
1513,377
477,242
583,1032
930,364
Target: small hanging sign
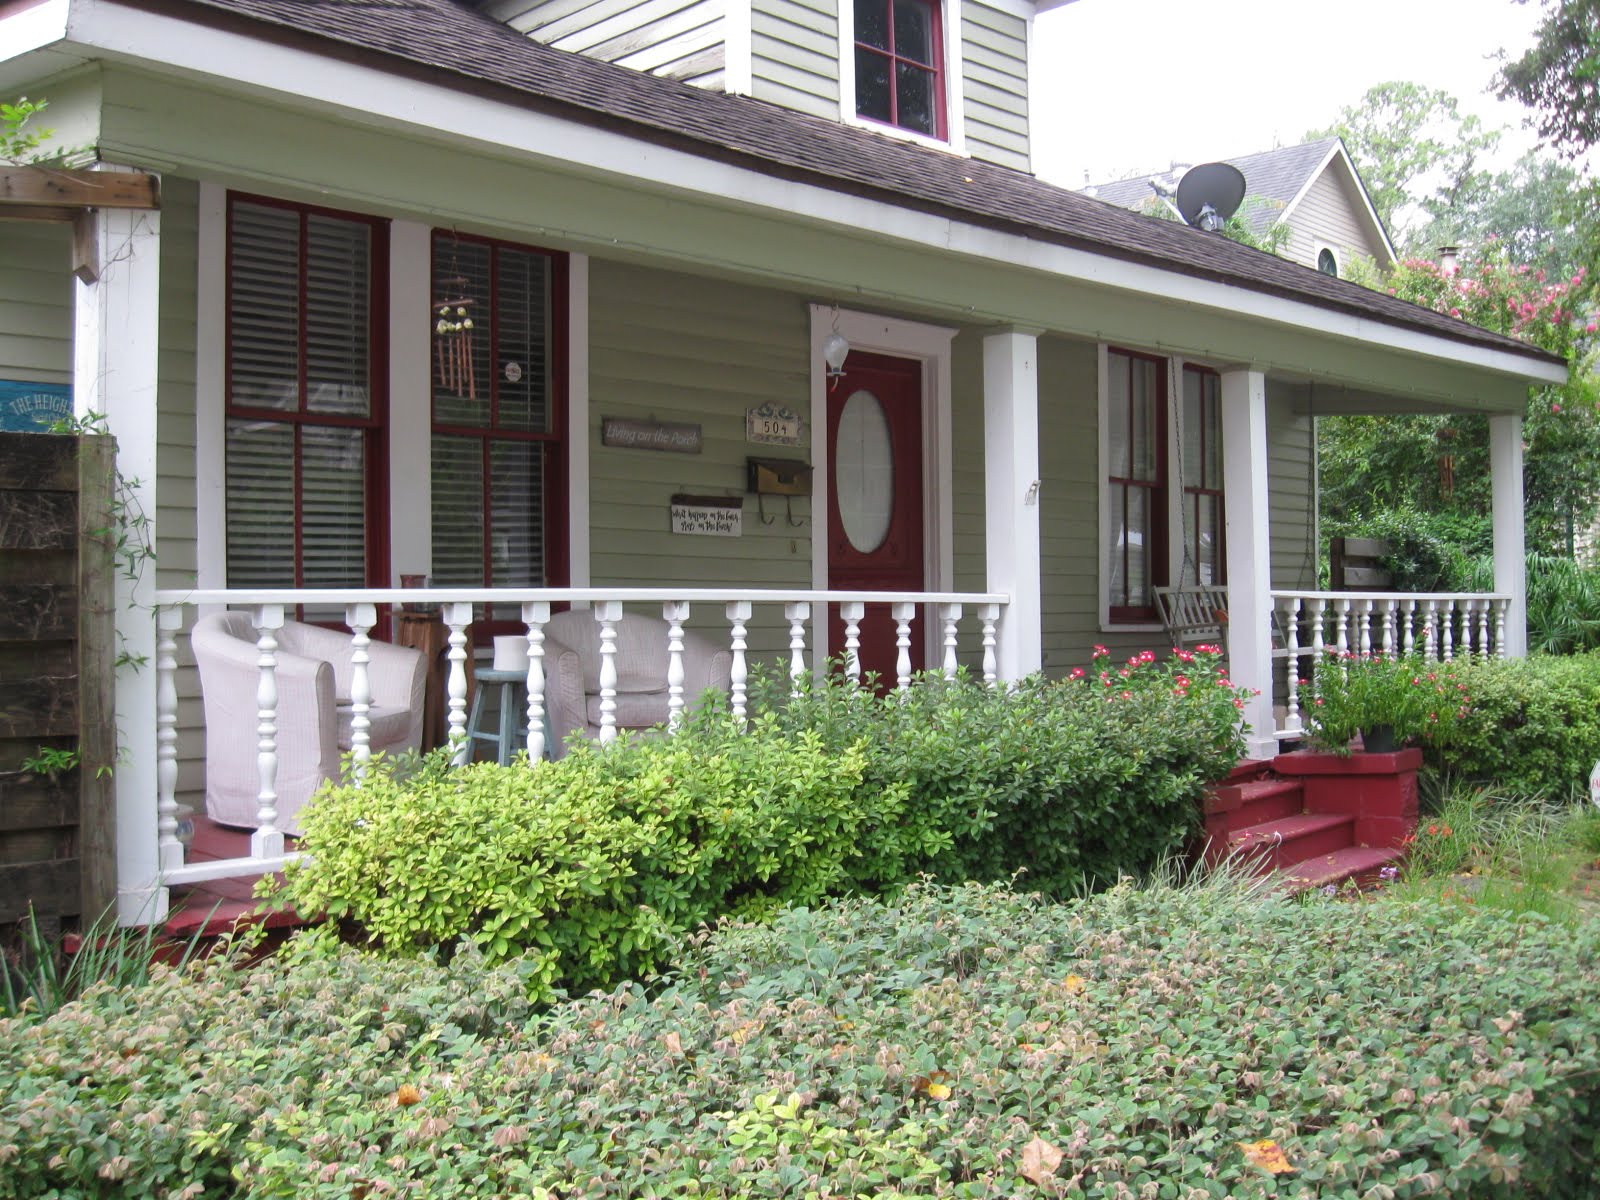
33,407
710,516
774,425
677,437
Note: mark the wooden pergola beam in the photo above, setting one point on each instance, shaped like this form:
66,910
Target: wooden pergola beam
36,193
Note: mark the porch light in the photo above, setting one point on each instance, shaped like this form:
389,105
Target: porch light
835,349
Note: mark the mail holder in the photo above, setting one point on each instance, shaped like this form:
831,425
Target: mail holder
786,477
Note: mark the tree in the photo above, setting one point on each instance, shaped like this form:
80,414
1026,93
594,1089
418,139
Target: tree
1416,151
1560,75
1434,471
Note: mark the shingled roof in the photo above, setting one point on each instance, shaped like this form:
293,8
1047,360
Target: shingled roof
457,46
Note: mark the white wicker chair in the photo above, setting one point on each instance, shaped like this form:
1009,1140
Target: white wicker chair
572,671
314,674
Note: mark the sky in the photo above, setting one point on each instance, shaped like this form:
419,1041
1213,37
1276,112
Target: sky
1122,87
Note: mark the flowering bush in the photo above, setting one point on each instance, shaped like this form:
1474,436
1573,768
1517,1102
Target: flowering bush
1420,700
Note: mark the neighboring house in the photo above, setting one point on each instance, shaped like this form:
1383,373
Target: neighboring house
1313,190
424,295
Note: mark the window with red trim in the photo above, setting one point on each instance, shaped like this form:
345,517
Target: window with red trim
900,64
497,323
306,460
1136,483
1205,549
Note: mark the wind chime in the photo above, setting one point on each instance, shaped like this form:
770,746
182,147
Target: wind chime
452,344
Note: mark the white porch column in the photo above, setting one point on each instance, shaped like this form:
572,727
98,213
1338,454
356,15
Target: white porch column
1011,494
1510,559
114,374
1244,481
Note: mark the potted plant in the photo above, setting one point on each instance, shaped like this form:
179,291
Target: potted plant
1390,701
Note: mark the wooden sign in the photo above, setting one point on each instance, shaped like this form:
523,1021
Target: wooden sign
774,425
676,437
708,516
33,407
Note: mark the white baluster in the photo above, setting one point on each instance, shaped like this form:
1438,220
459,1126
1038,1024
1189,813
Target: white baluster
674,613
534,615
168,622
1364,626
1430,629
1341,610
1319,627
988,618
1500,608
738,613
950,617
458,616
1391,642
1408,632
361,618
797,613
903,611
851,612
1291,639
1447,631
267,840
608,613
1481,647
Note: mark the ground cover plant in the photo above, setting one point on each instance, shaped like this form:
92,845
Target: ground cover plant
1209,1041
596,862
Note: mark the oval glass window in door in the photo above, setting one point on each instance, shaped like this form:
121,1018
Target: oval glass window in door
863,471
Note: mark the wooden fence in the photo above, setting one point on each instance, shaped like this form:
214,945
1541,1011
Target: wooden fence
57,668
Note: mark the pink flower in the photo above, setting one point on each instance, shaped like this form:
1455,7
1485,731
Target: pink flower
1077,673
1555,408
1592,327
1100,652
1237,703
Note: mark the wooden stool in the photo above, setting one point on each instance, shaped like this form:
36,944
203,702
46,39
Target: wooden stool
512,726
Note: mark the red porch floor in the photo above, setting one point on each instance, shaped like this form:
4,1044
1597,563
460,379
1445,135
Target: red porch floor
218,906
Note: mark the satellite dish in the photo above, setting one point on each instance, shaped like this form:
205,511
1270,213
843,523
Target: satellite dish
1209,194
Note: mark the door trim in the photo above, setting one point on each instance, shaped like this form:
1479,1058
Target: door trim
930,346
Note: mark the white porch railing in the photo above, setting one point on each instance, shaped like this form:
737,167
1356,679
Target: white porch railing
1440,625
267,609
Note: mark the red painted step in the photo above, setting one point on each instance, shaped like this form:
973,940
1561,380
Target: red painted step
1280,844
1362,864
1233,807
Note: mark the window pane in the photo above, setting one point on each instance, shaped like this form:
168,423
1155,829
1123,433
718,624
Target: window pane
337,334
1117,575
872,23
522,331
516,515
460,325
260,504
915,94
1209,553
872,85
1213,428
864,471
1117,433
263,307
1139,547
333,505
913,31
457,510
1192,431
1146,430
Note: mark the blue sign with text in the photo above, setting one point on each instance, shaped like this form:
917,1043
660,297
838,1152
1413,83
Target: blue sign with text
33,407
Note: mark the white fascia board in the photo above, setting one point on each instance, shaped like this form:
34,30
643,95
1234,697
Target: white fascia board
366,95
1337,153
33,27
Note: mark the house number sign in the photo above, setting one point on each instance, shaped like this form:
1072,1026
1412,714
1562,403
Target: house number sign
774,425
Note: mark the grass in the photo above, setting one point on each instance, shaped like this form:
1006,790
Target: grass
40,975
1524,854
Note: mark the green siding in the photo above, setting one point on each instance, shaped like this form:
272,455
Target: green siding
994,53
1291,470
1069,499
36,302
794,48
675,347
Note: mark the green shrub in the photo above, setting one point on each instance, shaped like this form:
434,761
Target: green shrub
913,1047
1074,781
1421,702
1563,602
593,863
1533,726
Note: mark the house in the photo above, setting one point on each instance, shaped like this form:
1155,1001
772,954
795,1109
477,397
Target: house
425,295
1312,190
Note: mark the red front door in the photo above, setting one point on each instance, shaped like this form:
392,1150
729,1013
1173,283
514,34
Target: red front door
875,525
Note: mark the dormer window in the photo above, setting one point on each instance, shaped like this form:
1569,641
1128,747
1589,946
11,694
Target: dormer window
900,64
